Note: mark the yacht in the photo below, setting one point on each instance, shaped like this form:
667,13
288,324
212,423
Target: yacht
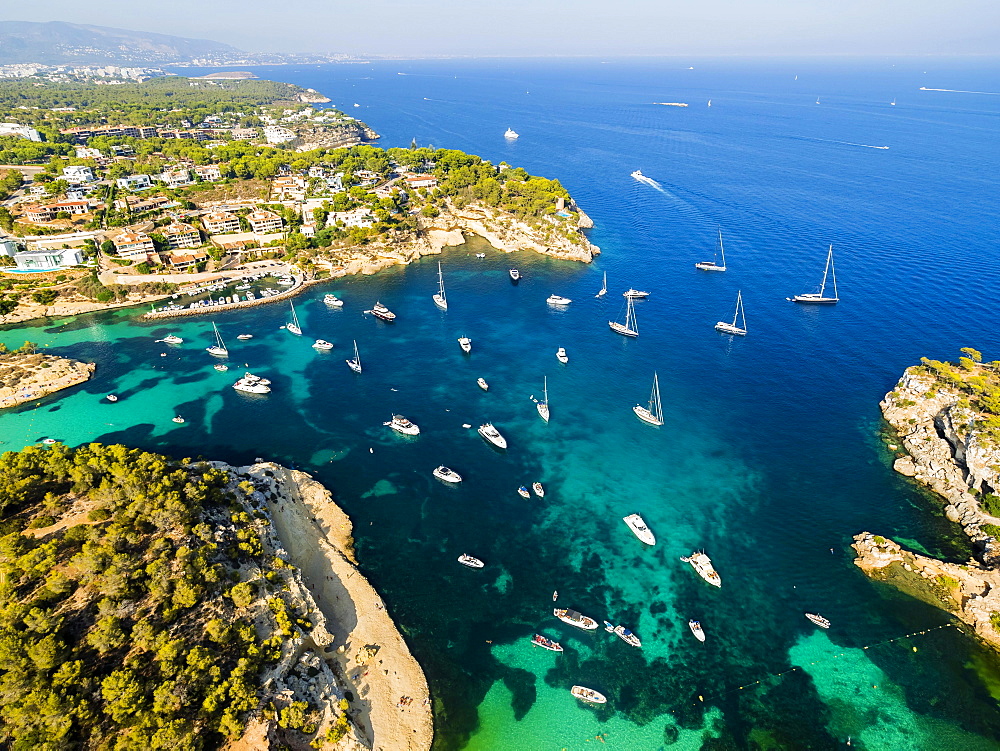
322,344
511,135
731,328
171,339
561,355
543,405
523,492
333,301
557,300
540,641
492,435
221,367
355,364
244,337
465,343
401,425
380,311
588,695
447,475
219,348
818,298
293,326
573,618
483,384
818,620
630,327
697,630
515,275
439,297
470,561
251,384
635,294
627,636
539,490
653,412
638,175
639,528
703,565
714,264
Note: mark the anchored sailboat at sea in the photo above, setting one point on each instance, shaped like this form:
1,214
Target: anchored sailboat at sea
219,348
543,405
439,298
714,265
355,364
294,325
653,412
630,327
732,328
819,298
604,289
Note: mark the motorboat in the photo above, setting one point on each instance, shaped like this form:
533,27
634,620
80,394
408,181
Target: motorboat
401,425
322,344
818,620
244,337
380,311
285,281
523,492
515,275
447,475
491,434
251,384
540,641
470,561
638,175
355,364
639,528
177,418
609,627
251,378
221,367
561,355
219,348
635,294
50,441
539,490
627,636
465,343
243,287
511,135
333,301
111,398
573,618
703,565
557,300
171,339
588,695
555,595
697,630
481,382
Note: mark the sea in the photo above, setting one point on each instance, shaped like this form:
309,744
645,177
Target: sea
772,454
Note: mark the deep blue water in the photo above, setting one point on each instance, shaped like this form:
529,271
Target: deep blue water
770,457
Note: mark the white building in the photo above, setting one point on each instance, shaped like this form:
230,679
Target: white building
355,218
277,134
78,174
134,182
175,178
48,260
21,131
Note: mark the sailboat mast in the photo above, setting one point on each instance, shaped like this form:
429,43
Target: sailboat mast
722,248
826,271
833,271
545,388
654,399
739,300
440,281
357,357
630,317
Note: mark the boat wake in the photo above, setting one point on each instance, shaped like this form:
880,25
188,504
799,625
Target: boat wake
650,182
960,91
843,143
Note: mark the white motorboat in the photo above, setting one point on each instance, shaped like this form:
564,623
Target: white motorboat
293,326
401,425
714,265
604,289
557,300
286,281
111,398
731,328
703,565
480,255
818,620
638,526
588,695
540,641
178,419
638,175
819,298
465,343
333,301
573,618
481,382
635,294
219,348
652,412
627,636
380,311
355,364
491,434
630,327
322,344
221,367
171,339
439,297
515,275
523,492
561,355
470,561
539,490
251,384
446,474
244,337
543,405
511,135
697,630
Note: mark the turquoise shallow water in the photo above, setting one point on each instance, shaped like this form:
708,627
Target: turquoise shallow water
770,457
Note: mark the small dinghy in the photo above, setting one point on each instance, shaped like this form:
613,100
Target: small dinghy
178,419
470,561
561,355
609,627
588,695
523,492
50,441
540,641
539,490
483,384
697,630
111,398
555,595
818,620
447,475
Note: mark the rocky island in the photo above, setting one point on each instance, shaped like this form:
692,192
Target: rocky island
947,418
26,375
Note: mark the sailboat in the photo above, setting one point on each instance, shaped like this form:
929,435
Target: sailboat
893,103
604,289
818,298
543,406
732,328
630,327
355,364
713,265
817,100
439,299
294,325
652,412
219,348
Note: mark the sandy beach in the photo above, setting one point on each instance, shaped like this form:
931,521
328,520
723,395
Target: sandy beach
390,702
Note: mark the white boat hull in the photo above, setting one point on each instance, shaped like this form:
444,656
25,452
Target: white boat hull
728,328
645,415
621,329
494,438
218,351
814,299
440,302
588,695
543,410
709,267
292,328
354,365
638,526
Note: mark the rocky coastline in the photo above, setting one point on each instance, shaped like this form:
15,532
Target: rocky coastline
26,376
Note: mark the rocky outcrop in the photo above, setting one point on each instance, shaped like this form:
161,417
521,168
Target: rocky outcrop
333,136
28,376
969,591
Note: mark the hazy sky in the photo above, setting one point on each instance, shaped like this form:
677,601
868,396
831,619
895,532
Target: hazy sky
545,27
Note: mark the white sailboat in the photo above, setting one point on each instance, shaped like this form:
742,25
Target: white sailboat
439,299
819,298
219,348
604,289
713,265
630,327
543,406
355,364
653,412
732,328
294,325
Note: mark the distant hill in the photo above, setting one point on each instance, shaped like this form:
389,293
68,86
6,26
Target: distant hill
58,43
